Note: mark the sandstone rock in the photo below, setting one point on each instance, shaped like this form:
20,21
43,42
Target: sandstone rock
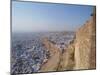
53,61
85,51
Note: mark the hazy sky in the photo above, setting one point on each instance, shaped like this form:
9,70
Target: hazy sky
37,17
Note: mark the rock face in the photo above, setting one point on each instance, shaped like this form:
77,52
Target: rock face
85,48
53,62
67,59
79,54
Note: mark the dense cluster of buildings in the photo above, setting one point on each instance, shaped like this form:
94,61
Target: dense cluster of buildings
29,53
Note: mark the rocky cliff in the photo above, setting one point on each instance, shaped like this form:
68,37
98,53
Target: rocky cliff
85,45
55,54
79,54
